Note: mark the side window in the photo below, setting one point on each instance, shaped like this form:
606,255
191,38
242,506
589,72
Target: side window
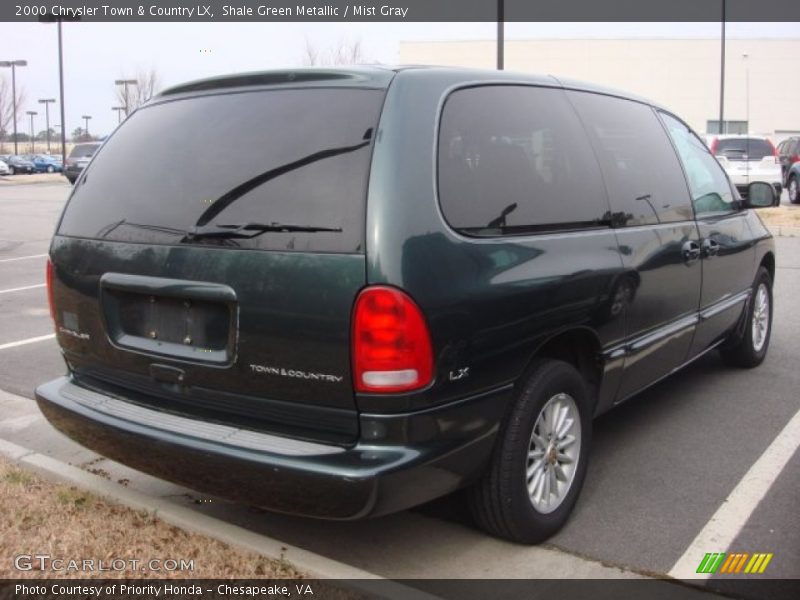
708,183
514,159
642,174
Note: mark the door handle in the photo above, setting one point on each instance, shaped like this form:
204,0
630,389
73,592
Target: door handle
691,251
709,247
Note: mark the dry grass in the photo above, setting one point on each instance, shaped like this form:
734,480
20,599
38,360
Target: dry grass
787,216
39,517
35,178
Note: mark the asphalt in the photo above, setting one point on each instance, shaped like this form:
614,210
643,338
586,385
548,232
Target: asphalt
662,464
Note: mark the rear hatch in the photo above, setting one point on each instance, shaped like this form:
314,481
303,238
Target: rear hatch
208,261
743,156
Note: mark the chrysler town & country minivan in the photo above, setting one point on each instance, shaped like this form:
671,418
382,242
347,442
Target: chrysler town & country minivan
342,293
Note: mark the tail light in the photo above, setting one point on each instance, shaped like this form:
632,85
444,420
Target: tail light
391,343
714,145
774,152
49,278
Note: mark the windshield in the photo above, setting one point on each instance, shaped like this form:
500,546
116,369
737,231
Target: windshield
292,156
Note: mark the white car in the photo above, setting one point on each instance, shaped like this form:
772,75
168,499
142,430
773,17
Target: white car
748,158
4,170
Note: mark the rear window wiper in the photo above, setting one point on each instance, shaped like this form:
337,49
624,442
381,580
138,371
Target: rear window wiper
250,230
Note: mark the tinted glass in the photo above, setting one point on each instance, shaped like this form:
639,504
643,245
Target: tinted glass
82,150
743,148
709,186
294,157
641,171
514,159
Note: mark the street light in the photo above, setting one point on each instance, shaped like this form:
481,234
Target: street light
126,83
119,110
86,120
51,18
14,64
32,113
46,102
745,56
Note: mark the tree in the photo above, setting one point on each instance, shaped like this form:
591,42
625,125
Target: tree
147,85
7,105
79,135
344,53
42,135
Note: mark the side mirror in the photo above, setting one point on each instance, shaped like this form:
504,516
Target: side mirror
760,195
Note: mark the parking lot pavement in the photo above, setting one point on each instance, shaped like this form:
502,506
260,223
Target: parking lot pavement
662,466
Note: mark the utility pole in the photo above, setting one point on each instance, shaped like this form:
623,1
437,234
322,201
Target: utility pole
32,113
501,37
86,120
125,83
119,110
722,77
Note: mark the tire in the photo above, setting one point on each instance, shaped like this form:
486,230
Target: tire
500,502
748,349
50,168
793,187
10,170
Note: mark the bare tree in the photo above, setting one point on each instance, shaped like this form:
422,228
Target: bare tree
346,52
7,106
147,85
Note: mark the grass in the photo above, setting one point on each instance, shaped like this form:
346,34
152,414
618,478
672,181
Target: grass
39,517
781,215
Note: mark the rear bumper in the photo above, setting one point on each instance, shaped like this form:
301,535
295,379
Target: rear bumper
414,458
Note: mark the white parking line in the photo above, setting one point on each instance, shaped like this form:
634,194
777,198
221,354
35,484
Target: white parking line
2,260
732,516
20,289
32,340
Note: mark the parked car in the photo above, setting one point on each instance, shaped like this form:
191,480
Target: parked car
78,158
4,170
364,289
44,163
19,164
748,158
793,183
788,154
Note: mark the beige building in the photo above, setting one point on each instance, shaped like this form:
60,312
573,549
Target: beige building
681,74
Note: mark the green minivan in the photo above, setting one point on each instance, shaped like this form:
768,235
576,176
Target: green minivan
342,293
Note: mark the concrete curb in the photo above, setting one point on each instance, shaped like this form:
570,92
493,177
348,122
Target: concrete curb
313,564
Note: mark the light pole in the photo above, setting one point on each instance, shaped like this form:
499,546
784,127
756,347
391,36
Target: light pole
14,64
501,37
46,102
745,56
125,83
722,77
119,110
86,120
32,113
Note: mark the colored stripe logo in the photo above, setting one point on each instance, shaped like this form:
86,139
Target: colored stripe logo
734,563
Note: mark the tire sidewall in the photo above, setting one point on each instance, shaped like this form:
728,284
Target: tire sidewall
559,378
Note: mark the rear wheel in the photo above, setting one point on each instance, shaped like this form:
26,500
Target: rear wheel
50,168
10,170
793,190
749,348
540,458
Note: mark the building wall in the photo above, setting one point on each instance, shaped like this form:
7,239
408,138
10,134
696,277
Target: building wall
681,74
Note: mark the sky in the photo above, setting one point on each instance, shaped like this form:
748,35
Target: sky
95,54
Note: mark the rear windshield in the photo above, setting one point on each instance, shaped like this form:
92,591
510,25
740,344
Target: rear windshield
743,148
83,150
297,158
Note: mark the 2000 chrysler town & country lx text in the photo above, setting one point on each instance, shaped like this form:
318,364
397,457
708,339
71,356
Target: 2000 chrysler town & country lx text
363,289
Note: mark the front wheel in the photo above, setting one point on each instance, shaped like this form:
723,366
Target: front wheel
10,170
50,168
540,457
749,348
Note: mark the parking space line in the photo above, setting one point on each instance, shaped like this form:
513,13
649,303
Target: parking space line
32,340
2,260
20,289
719,533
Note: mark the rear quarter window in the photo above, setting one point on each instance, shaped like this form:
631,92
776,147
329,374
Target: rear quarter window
294,157
514,159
